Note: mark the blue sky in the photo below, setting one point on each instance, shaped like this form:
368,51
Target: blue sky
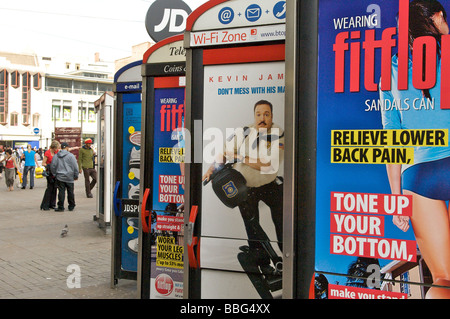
82,27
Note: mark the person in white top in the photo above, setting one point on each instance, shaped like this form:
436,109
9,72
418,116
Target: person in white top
258,151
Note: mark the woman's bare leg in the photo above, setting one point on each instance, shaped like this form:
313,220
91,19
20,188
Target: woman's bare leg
430,221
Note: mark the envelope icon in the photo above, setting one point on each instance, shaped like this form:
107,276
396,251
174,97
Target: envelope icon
253,13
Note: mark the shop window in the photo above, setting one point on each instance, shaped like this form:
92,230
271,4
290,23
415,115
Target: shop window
67,110
82,113
91,115
56,110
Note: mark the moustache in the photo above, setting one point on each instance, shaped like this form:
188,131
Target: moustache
262,123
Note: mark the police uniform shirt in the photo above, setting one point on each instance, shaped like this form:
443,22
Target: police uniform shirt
267,146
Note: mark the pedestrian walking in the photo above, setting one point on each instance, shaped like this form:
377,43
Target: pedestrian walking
19,153
30,165
49,199
86,165
10,164
2,158
65,168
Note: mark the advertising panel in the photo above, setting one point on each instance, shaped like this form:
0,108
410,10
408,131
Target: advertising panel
126,168
242,209
69,135
241,35
236,86
168,193
131,148
162,207
223,14
131,163
383,160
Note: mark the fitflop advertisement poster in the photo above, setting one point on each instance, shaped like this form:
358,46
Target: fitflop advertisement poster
383,113
168,193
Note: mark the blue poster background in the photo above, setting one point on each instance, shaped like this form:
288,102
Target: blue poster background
346,110
131,123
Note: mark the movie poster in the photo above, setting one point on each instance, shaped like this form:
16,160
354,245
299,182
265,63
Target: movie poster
168,194
237,99
382,150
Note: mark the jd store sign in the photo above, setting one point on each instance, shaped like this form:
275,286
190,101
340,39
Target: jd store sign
166,18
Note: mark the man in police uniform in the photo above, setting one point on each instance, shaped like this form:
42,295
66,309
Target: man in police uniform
258,150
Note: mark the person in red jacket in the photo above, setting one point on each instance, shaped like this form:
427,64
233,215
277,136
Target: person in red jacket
10,167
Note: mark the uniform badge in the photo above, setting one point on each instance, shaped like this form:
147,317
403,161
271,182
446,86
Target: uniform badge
230,189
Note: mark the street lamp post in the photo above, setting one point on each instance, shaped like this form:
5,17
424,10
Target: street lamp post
81,129
54,123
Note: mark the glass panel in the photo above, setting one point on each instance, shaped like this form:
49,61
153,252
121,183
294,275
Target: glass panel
14,119
15,79
91,115
85,87
84,114
58,85
56,110
102,88
3,95
36,120
67,113
26,79
37,81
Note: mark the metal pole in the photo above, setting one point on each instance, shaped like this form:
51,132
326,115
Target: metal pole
81,130
54,123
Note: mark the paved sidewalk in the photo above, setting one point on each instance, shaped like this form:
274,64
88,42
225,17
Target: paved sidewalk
35,262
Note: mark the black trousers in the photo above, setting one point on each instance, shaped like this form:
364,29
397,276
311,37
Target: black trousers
89,184
62,187
49,199
272,195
